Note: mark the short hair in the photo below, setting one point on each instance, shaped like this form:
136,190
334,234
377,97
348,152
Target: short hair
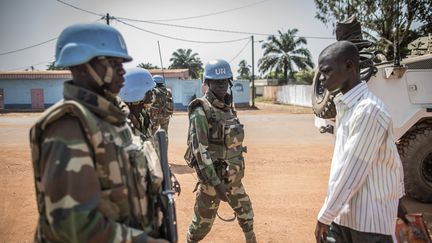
342,51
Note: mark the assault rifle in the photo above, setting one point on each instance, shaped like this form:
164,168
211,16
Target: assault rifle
167,195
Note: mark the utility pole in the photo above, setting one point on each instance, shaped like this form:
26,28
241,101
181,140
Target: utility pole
107,17
253,73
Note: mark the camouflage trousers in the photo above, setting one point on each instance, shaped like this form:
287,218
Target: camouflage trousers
207,204
162,122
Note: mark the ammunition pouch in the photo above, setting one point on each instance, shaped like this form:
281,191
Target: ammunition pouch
222,171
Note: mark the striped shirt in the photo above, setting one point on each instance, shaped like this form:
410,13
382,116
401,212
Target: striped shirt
366,175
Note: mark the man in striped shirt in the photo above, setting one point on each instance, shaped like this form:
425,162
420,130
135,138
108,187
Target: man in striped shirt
366,176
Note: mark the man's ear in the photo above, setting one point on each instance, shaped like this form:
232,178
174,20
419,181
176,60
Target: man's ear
349,64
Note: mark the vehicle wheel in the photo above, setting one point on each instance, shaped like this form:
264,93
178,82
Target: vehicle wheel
415,149
322,99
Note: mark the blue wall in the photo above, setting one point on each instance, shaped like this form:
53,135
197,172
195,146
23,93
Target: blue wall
17,93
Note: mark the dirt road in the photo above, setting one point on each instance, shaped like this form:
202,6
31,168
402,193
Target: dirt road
287,168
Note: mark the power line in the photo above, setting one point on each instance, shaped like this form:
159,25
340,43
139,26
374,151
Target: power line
211,14
193,27
35,45
180,39
75,7
232,59
210,29
28,47
27,66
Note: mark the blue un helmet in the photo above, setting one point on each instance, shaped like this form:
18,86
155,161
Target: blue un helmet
79,43
138,82
158,79
217,69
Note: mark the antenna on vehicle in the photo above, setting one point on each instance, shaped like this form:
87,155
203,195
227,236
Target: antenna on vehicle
160,57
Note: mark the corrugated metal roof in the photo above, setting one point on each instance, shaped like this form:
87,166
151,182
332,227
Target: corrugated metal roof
66,74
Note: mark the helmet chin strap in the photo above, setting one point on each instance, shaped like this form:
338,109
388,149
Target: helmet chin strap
107,77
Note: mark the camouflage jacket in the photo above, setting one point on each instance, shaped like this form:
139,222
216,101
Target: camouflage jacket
162,105
215,133
90,172
141,124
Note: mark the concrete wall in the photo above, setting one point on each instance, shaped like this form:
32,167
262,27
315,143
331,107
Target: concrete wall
295,95
241,92
17,93
270,92
183,91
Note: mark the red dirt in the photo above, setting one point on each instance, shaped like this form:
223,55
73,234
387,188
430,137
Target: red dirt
287,167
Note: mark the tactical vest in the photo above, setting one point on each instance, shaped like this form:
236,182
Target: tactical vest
225,136
137,162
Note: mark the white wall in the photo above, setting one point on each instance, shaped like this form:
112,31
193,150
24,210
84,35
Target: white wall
295,95
183,91
241,92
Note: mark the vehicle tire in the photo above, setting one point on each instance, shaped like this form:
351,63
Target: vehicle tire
415,150
322,99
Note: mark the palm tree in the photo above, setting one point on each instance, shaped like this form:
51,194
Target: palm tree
147,66
244,70
184,58
282,52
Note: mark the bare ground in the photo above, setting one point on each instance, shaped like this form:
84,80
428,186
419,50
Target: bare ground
287,167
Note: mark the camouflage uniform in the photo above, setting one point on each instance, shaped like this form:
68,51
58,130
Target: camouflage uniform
216,135
91,173
141,124
162,108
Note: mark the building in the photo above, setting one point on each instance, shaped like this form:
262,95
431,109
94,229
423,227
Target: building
171,73
31,90
37,90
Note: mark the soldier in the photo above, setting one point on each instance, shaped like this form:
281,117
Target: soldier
215,150
94,179
162,105
136,92
137,89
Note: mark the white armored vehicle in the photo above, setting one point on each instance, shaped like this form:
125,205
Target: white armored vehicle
406,89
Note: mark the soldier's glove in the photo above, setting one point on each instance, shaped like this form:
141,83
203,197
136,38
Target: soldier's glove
221,191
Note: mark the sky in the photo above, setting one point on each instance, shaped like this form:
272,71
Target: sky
24,23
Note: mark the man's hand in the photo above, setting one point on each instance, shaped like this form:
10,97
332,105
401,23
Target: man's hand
221,191
321,232
402,212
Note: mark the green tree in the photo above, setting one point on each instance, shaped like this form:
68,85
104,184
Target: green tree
304,76
51,66
379,18
147,66
244,70
284,52
184,58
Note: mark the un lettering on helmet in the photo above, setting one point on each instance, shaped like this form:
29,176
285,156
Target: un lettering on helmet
217,69
220,71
